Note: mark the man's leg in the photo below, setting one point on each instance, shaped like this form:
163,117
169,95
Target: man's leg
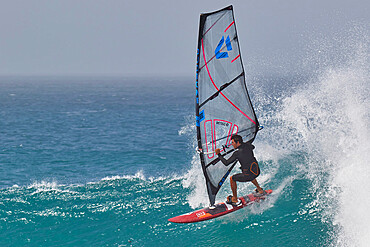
234,190
259,189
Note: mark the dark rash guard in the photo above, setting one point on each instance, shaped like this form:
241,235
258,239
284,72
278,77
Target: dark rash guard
249,166
244,155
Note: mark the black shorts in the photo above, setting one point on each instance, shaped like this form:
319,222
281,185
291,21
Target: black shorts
248,175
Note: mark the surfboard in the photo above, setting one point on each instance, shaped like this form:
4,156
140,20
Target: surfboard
218,210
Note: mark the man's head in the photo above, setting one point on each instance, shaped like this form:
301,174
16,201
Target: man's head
236,140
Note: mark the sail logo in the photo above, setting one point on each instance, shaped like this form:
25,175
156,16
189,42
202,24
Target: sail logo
200,118
218,52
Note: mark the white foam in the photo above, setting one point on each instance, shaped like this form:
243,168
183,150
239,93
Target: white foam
140,176
328,120
44,186
195,181
137,175
189,128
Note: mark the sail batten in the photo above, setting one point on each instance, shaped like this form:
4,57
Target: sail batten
224,86
223,106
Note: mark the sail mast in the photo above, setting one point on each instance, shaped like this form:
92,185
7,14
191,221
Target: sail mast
211,196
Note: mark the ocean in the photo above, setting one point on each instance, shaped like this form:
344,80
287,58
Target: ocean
106,161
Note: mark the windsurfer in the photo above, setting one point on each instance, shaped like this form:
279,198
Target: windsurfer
249,166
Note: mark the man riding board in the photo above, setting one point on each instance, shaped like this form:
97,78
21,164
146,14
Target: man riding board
249,166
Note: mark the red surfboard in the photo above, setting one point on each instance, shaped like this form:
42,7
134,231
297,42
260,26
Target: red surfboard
218,210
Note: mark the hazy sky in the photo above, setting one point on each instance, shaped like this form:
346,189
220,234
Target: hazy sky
146,38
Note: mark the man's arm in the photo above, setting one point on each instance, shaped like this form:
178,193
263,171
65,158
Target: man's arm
226,162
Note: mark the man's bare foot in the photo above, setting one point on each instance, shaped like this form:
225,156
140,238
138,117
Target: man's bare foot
259,190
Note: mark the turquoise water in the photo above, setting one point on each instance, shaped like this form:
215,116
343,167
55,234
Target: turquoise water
106,161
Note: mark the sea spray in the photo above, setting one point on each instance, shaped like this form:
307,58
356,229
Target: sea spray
317,130
328,119
195,181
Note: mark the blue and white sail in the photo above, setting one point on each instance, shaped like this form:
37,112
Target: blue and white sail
223,106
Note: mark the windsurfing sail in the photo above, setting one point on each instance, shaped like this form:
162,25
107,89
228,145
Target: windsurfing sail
223,106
